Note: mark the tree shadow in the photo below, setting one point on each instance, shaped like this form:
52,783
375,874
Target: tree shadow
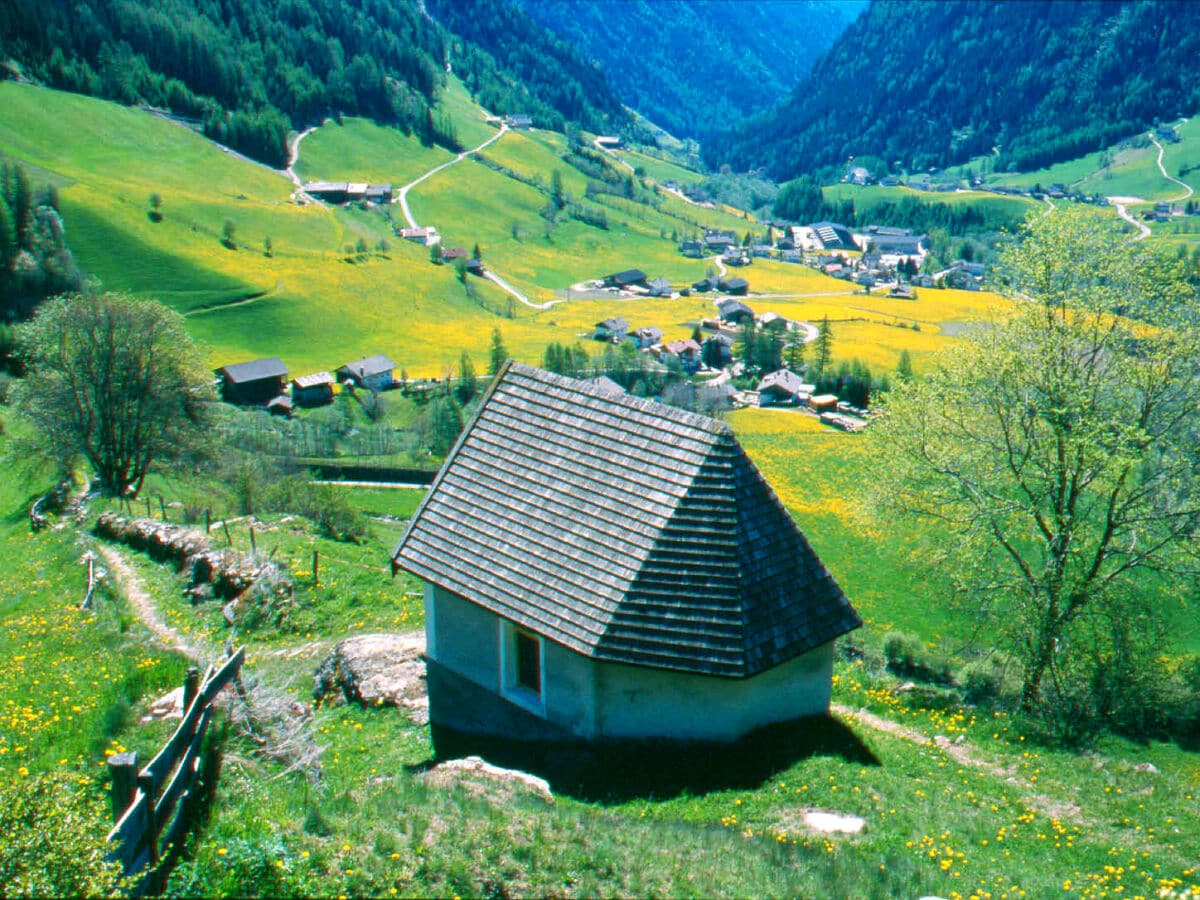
614,771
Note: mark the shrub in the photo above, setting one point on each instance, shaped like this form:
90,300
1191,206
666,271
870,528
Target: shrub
54,841
989,679
905,655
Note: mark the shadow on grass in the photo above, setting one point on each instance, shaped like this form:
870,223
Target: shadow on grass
617,771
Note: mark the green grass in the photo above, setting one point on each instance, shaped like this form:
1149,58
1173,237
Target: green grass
360,150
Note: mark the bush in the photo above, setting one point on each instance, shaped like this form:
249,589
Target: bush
905,655
990,679
54,839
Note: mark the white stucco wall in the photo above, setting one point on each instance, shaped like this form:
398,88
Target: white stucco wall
466,638
603,699
635,701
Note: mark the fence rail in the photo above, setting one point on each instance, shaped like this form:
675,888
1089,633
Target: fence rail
143,802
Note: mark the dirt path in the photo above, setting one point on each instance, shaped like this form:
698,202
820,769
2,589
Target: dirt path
134,590
402,196
294,154
965,754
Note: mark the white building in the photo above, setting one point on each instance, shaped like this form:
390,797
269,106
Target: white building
600,566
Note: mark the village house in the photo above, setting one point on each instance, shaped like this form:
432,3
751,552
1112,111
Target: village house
783,387
338,192
686,351
451,254
610,142
374,373
253,383
686,606
426,236
313,390
717,349
734,312
735,286
821,403
773,321
706,284
646,337
613,330
518,120
630,278
693,249
660,287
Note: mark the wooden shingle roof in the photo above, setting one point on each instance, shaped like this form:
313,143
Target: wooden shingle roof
623,529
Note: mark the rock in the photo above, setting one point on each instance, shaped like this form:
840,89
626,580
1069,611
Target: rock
229,610
904,688
376,670
1148,768
481,779
168,706
831,822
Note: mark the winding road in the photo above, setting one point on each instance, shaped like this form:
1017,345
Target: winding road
402,197
1187,188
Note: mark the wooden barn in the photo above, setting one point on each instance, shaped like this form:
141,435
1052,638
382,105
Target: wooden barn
602,567
253,383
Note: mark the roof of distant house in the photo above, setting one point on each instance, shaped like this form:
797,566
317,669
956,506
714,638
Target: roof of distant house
255,370
693,565
371,365
314,380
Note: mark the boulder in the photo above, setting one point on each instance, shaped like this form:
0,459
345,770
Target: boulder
376,670
481,779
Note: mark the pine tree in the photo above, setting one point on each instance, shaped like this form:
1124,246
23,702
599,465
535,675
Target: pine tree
824,347
499,354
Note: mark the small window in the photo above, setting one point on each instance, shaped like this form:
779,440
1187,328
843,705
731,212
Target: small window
522,667
529,661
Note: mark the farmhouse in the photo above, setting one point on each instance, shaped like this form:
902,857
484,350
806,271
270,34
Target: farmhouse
717,349
782,387
253,383
686,351
734,311
313,390
627,279
647,336
348,192
518,120
684,605
426,236
613,329
694,249
372,374
736,286
660,287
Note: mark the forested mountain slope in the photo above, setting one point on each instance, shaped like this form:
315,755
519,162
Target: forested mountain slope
252,69
930,84
698,67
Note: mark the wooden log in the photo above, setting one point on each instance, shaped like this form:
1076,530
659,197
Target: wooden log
162,507
123,768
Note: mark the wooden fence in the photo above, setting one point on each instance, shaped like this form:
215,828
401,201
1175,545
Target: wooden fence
143,802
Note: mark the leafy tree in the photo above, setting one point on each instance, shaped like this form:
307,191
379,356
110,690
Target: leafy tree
116,380
1056,449
904,367
499,352
435,254
156,207
229,234
268,246
557,195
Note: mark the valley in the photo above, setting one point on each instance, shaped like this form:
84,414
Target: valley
961,793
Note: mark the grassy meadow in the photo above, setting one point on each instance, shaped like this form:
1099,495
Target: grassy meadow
992,817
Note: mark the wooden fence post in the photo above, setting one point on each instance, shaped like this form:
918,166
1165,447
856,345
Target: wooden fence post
253,547
316,564
148,514
228,536
123,768
146,783
191,687
207,520
162,507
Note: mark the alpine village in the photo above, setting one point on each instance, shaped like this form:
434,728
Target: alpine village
587,448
